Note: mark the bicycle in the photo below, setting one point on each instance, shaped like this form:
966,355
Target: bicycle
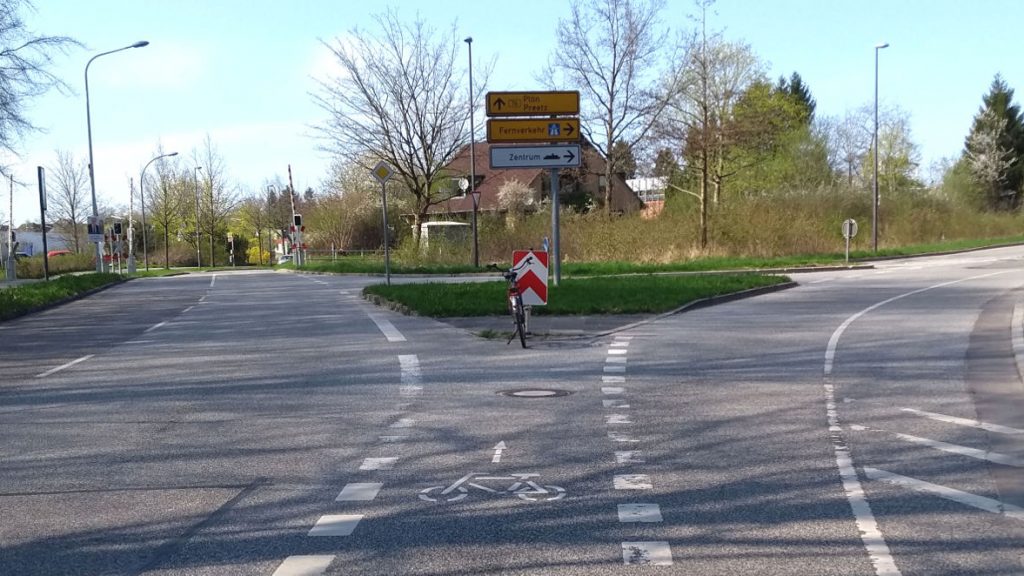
514,298
522,487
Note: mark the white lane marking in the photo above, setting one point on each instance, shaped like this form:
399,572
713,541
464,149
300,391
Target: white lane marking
359,492
404,423
310,565
411,375
626,338
612,390
647,553
823,280
629,457
498,448
833,342
63,366
387,328
615,360
155,326
213,280
621,437
639,513
615,403
632,482
612,379
393,438
203,298
378,464
874,542
615,419
620,344
407,391
965,422
617,352
987,455
966,498
336,525
1017,338
139,341
189,309
615,369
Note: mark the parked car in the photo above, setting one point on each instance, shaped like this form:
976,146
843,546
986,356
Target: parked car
284,259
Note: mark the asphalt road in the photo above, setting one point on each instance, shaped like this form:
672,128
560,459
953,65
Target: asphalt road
865,422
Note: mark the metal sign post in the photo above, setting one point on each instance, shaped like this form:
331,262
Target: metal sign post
41,173
383,172
849,231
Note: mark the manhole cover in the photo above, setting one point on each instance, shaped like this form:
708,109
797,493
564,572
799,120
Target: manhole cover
534,393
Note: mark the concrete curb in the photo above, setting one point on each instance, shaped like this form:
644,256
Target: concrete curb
68,299
946,253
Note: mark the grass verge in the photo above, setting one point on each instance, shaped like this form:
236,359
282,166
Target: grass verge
619,295
22,299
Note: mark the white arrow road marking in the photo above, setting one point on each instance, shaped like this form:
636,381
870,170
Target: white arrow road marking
336,525
647,553
639,513
311,565
359,492
63,366
498,449
965,422
966,498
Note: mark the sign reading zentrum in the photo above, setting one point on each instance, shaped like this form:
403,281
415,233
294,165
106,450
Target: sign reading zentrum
567,156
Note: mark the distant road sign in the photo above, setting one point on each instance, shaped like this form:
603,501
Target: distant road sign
383,172
849,228
534,130
533,103
559,156
94,227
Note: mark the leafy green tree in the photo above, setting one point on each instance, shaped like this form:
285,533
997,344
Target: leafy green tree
994,148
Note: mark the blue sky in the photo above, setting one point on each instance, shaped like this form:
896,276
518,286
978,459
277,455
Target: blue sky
241,71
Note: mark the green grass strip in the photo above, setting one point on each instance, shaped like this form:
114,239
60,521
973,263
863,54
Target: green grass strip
24,298
619,295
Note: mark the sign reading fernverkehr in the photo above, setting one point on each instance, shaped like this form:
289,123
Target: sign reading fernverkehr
534,130
533,103
562,156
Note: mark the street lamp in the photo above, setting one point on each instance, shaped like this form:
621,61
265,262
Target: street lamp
199,258
472,158
874,180
142,195
88,124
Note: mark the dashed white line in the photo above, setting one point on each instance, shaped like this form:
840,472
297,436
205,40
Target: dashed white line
612,390
615,360
612,379
336,525
63,366
155,326
615,403
965,422
639,513
647,553
617,419
966,498
1017,338
621,437
617,352
309,565
187,309
620,344
378,464
632,482
139,341
404,423
629,457
615,369
392,439
975,453
359,492
387,328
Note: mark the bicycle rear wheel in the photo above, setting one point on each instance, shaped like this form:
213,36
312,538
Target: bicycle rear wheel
520,315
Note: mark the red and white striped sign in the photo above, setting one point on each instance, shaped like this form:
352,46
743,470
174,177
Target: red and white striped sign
531,277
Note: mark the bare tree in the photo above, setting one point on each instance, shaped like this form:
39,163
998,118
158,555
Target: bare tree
851,139
25,59
165,196
216,198
68,196
401,98
616,52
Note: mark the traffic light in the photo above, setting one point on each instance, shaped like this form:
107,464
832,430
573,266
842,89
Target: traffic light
117,228
298,220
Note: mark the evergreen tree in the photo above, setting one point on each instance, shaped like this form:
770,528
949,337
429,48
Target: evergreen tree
994,148
665,164
796,89
623,160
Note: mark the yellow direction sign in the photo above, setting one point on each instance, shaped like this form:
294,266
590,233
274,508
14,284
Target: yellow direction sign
533,103
531,130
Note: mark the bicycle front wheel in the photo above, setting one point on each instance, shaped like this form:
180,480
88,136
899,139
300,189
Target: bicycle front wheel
520,315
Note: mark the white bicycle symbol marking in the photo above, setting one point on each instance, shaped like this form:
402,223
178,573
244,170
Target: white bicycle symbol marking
521,486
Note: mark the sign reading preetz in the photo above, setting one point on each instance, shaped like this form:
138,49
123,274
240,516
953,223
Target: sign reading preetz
534,130
533,103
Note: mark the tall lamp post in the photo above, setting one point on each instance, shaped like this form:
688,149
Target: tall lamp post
472,158
874,180
199,236
142,196
88,124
